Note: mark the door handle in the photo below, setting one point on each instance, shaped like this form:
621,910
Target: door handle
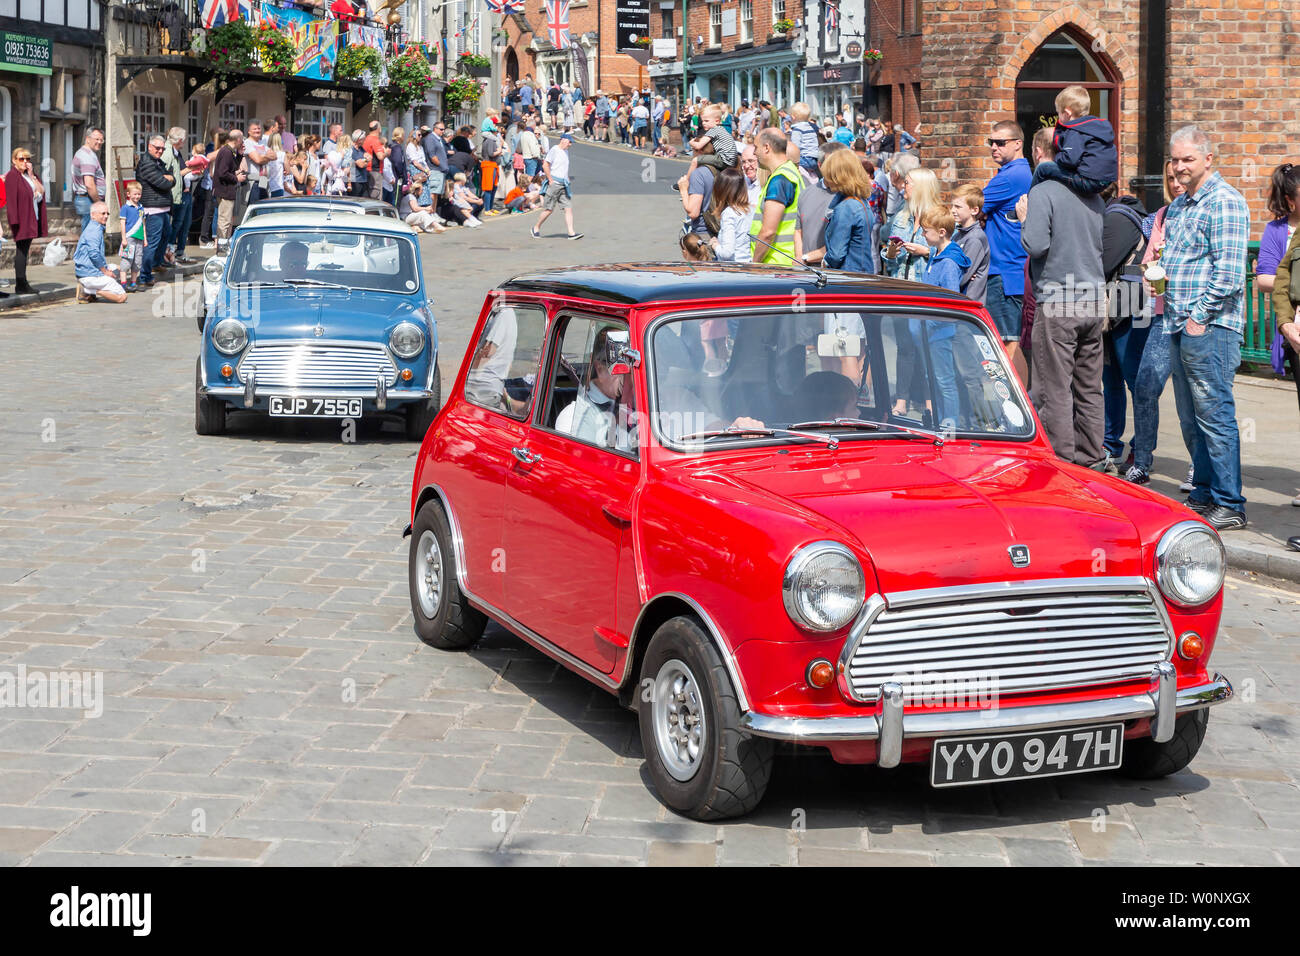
617,515
525,456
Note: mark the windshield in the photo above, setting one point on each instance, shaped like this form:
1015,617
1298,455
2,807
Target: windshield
926,372
356,260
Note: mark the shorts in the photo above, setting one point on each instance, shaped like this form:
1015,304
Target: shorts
94,285
557,197
1005,309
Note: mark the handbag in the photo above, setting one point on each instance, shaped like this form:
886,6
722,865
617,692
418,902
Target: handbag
518,162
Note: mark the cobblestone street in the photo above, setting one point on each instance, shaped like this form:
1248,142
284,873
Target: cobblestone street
266,702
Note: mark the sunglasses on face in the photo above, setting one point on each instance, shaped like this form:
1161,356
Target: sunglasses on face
1002,142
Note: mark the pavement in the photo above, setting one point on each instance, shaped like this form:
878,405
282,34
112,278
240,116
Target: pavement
244,600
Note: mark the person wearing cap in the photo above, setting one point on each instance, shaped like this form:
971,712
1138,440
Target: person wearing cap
555,170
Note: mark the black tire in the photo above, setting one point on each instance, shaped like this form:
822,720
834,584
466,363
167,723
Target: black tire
733,768
202,317
453,623
209,413
420,415
1146,760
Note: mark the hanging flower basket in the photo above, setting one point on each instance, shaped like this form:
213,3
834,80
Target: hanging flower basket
873,56
357,60
461,92
232,46
277,52
409,80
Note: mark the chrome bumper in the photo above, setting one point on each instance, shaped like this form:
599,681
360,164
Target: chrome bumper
375,395
890,725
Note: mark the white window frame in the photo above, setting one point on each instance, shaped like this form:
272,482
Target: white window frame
194,128
6,121
148,118
233,114
69,150
715,24
778,11
746,21
318,119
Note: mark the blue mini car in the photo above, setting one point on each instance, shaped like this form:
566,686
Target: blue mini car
320,315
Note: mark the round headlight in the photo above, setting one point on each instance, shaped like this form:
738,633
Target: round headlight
1189,563
824,587
229,336
213,269
407,340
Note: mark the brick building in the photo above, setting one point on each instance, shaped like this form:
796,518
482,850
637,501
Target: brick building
1220,64
592,27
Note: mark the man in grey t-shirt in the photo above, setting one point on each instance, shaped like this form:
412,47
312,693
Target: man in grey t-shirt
810,227
88,182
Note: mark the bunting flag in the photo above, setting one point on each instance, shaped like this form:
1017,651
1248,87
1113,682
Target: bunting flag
832,15
557,24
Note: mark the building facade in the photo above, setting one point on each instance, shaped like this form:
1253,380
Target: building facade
51,90
592,61
833,78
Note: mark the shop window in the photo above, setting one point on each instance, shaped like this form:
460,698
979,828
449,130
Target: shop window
194,122
233,115
1065,59
150,118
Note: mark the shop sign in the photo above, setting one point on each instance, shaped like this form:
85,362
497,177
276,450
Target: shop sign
23,53
836,74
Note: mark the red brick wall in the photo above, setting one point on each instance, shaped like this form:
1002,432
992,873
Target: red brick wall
699,15
896,36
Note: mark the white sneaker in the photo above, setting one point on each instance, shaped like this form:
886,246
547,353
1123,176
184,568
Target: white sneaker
207,245
473,223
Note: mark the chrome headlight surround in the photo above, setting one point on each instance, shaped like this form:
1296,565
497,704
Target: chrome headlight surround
823,587
230,336
214,268
1190,564
407,340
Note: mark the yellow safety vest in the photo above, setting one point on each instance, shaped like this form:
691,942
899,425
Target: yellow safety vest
782,251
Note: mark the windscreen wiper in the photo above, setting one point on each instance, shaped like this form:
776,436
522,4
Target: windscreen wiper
735,431
317,283
935,437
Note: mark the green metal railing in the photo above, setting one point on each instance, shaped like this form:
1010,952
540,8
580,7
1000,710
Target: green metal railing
1257,339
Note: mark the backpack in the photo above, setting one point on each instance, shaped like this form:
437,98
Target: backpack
1135,301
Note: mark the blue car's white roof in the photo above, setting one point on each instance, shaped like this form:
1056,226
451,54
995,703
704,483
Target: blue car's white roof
323,220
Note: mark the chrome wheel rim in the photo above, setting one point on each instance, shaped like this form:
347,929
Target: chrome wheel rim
678,717
428,574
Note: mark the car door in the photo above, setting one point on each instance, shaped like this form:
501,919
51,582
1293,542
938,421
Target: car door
477,436
569,498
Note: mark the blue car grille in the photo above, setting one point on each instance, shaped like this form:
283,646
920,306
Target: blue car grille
306,366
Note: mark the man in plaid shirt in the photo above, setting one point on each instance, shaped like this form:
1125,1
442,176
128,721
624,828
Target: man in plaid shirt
1206,232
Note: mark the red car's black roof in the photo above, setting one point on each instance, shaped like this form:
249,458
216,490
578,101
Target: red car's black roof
633,283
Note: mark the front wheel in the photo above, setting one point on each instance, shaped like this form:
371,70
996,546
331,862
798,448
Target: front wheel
702,764
420,415
1147,760
209,413
443,617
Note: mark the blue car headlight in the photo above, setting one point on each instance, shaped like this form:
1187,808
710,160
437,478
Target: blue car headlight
230,336
407,340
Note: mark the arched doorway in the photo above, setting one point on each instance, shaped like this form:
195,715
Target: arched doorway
512,65
1066,58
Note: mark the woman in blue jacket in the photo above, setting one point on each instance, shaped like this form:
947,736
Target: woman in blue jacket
848,223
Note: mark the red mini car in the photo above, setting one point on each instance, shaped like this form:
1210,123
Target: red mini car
764,504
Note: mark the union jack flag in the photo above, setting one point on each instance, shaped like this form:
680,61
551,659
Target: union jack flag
217,12
506,7
557,23
832,15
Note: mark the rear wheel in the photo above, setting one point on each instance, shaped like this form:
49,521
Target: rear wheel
700,761
1147,760
443,617
420,415
209,413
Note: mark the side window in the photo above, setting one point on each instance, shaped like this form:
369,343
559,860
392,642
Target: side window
586,399
503,370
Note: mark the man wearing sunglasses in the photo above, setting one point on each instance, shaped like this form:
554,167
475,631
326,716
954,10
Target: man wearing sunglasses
156,182
1006,286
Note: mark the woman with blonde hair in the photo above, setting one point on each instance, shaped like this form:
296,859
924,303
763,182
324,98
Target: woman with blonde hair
906,252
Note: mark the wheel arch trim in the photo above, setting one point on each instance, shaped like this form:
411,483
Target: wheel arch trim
711,629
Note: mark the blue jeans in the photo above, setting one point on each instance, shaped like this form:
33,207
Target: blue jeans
1203,368
1005,309
1124,349
155,231
82,205
487,195
1153,373
182,215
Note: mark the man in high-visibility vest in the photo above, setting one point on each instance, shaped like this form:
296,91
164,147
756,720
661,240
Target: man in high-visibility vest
772,231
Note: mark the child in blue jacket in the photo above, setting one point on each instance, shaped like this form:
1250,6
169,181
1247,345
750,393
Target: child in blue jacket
1086,158
948,263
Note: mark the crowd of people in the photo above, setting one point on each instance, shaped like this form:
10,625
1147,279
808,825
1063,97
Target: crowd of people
1099,302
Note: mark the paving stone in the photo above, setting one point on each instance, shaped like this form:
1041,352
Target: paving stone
681,854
